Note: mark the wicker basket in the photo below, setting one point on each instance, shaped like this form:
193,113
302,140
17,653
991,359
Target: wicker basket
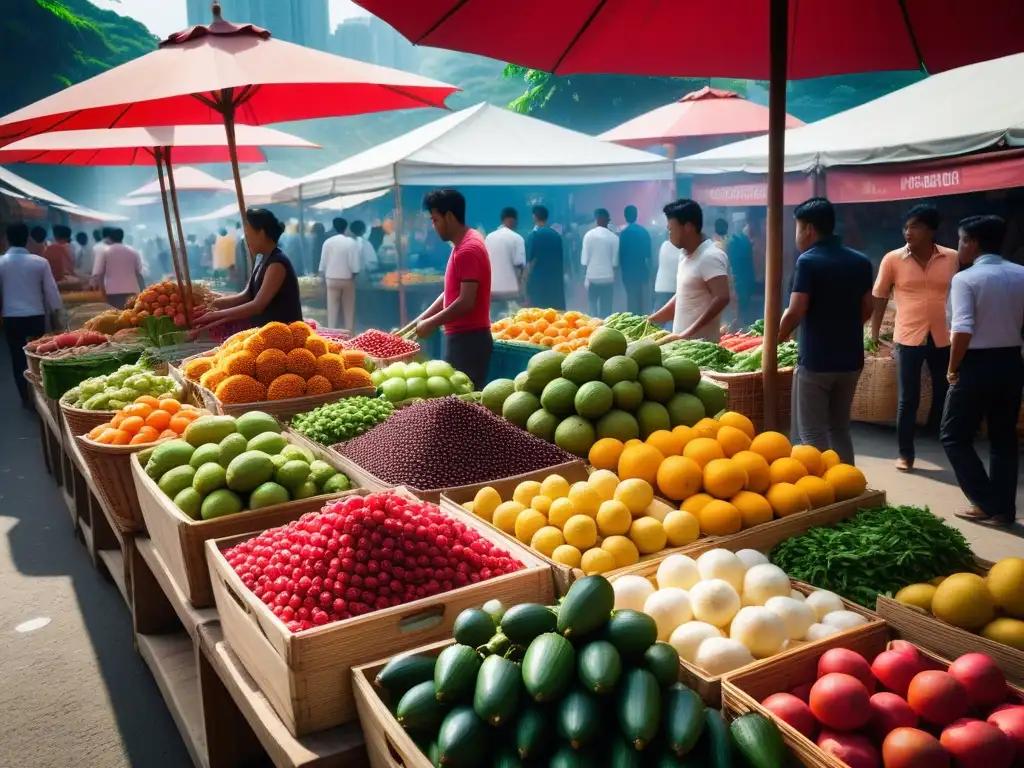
80,421
745,393
111,470
877,393
36,381
34,362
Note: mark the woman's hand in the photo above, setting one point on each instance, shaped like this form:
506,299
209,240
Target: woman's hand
211,319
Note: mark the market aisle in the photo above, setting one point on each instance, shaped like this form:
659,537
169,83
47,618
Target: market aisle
73,692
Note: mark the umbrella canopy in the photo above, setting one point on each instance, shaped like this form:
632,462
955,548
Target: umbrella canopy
136,146
702,114
483,145
258,187
187,179
196,76
641,37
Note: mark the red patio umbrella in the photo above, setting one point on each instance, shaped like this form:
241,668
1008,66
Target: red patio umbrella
225,74
763,39
693,120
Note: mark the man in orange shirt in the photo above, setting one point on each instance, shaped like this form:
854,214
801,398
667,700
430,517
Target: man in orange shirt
920,274
58,253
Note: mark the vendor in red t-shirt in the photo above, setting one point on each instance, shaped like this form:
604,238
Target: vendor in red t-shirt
464,309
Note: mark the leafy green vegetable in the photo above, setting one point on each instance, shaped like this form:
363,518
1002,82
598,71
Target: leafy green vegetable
877,551
343,420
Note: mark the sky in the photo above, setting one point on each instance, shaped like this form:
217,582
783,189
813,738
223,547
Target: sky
166,16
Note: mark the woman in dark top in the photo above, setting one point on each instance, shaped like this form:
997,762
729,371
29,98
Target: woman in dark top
273,290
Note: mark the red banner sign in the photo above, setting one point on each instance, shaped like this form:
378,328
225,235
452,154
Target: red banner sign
710,191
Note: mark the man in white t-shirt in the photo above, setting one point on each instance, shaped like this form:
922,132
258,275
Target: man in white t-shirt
507,250
600,255
702,279
339,264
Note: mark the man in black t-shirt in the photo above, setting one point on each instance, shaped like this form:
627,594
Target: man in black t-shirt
831,301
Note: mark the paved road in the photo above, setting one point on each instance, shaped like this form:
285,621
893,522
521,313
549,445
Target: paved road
75,693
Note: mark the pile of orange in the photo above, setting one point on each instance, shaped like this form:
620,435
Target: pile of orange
562,331
146,421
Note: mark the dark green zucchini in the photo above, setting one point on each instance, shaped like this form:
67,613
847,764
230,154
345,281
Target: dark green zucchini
455,674
496,696
639,707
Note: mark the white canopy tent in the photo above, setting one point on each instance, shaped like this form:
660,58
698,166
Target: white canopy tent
22,188
257,188
344,202
953,113
482,145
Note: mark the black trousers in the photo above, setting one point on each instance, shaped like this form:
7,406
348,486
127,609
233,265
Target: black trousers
470,352
989,387
634,298
908,369
19,331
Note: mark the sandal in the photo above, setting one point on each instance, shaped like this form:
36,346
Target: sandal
972,515
904,465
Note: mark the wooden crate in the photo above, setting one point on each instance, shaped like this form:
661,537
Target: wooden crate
744,690
710,686
179,539
282,409
387,743
306,675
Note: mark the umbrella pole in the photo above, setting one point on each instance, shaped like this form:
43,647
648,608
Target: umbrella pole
779,38
186,295
403,313
229,128
160,162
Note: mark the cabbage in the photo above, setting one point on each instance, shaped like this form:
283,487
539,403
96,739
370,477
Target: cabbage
116,405
139,381
124,393
97,403
91,387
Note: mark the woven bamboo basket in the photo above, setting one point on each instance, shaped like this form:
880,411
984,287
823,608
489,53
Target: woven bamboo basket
877,393
34,362
36,381
80,421
111,470
745,394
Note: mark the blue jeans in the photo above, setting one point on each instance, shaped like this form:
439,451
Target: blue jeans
908,369
599,299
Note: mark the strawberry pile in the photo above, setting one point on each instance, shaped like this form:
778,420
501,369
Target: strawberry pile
363,554
381,345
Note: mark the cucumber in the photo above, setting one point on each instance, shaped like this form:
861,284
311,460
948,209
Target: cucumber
522,623
567,757
497,690
506,758
758,739
639,707
455,674
683,719
419,708
621,754
586,607
631,632
533,732
598,667
720,750
548,667
579,719
402,673
433,753
462,740
662,661
473,627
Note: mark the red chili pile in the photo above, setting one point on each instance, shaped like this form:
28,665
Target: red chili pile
381,345
363,554
447,442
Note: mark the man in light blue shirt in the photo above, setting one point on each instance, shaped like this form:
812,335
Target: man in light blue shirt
986,372
28,296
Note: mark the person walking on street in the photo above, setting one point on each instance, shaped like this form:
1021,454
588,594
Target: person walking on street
635,261
920,274
986,372
118,268
545,264
600,256
58,253
830,302
339,264
37,241
702,278
507,251
83,255
464,307
28,298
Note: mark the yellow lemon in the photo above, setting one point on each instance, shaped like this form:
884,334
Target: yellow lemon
754,508
585,499
636,494
613,517
757,469
681,528
786,470
666,442
604,482
657,509
505,516
525,492
568,555
810,457
542,504
560,512
597,561
604,454
679,478
830,459
554,487
739,421
622,549
468,506
648,535
581,532
528,523
733,440
546,540
696,503
485,502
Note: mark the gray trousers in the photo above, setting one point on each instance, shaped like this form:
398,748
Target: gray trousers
821,410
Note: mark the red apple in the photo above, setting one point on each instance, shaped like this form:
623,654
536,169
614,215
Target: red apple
984,681
853,749
889,712
976,744
803,692
840,702
903,646
1010,720
937,697
793,711
847,662
895,669
913,748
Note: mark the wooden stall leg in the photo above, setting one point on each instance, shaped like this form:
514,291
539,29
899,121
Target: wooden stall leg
152,612
230,740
